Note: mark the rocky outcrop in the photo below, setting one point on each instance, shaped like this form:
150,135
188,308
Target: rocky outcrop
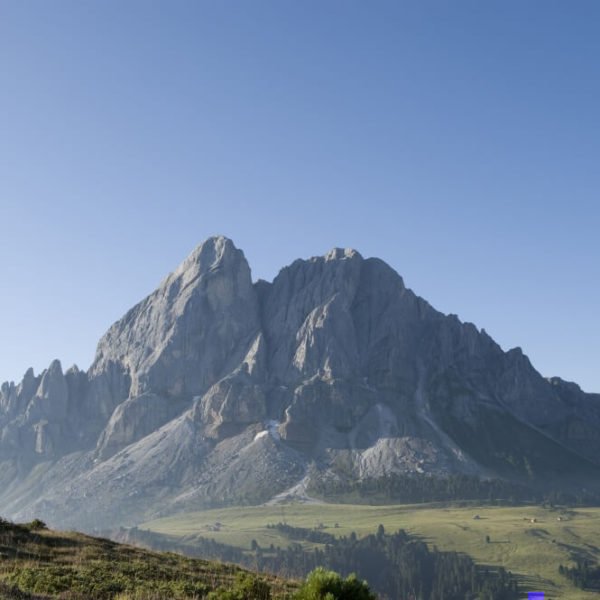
216,390
306,317
133,420
230,405
36,417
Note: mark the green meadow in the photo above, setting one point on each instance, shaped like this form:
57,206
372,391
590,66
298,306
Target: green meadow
530,541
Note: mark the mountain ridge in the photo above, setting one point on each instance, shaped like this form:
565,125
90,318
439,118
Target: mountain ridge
218,389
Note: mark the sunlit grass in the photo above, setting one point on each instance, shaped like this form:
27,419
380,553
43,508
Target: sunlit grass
72,565
534,550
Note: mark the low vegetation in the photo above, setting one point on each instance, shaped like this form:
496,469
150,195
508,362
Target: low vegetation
38,563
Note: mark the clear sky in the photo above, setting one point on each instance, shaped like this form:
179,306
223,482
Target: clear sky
459,141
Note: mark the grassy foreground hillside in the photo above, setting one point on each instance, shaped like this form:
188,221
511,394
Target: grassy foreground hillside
530,541
37,563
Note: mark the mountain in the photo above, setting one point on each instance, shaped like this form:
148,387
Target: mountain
217,390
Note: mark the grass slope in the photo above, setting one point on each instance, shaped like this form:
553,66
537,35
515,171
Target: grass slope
533,550
38,563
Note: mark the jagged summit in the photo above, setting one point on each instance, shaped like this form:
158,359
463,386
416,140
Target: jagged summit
216,251
341,254
215,390
191,330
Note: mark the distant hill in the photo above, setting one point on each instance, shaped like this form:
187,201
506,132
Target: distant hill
217,390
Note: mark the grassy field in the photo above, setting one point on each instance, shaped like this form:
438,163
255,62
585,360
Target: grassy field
529,541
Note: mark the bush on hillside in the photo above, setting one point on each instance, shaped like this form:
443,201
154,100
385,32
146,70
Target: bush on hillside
247,587
328,585
36,525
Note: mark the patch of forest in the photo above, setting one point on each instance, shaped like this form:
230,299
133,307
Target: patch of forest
396,565
415,489
585,575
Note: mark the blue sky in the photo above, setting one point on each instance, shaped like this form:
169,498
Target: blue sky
459,141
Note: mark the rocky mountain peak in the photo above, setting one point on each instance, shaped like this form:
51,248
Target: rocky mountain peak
341,254
29,374
214,253
50,377
215,389
51,397
199,321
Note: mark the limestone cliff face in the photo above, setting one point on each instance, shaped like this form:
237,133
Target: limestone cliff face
217,390
195,328
37,417
307,320
134,419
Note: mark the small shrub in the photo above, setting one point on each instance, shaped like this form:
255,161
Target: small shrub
36,525
328,585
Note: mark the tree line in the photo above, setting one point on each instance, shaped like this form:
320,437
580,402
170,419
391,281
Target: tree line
396,565
584,575
415,488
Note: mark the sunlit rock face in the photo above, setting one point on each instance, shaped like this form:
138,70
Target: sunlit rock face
217,390
194,329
